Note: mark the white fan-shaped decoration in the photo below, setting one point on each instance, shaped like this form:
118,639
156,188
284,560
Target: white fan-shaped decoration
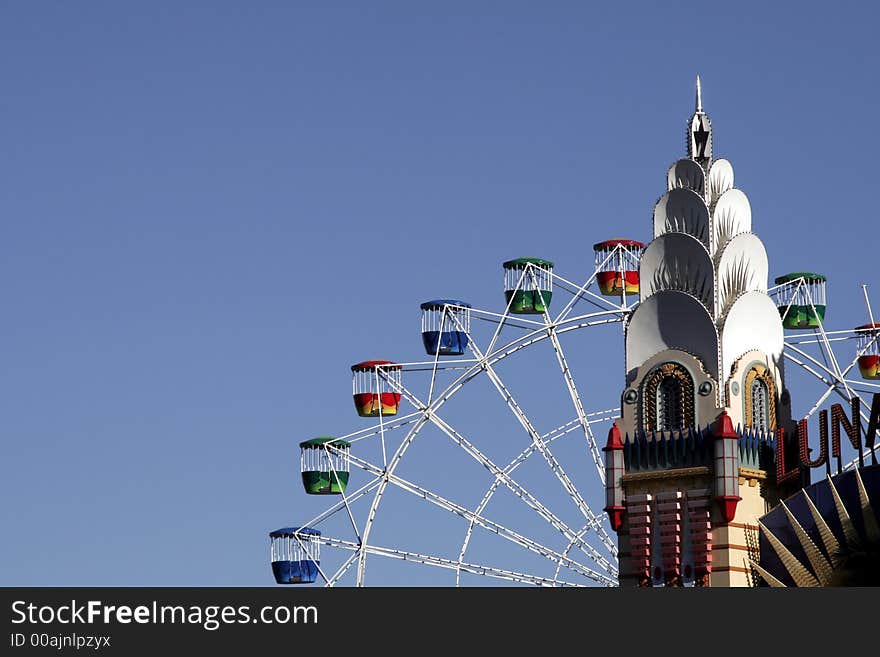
720,179
742,267
682,211
676,261
688,174
657,324
732,216
752,322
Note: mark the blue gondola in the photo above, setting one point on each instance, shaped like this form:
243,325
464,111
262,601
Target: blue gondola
295,555
445,326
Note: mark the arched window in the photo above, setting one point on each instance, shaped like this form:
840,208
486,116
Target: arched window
669,399
759,418
669,410
760,399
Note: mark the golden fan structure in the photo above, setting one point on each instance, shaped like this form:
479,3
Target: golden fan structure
825,535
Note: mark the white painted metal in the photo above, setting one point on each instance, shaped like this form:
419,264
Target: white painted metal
679,280
699,99
597,417
688,174
752,323
677,261
682,211
573,393
731,216
720,179
742,267
655,326
440,562
494,527
464,370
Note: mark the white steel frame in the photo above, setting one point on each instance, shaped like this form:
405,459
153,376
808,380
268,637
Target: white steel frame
590,553
812,351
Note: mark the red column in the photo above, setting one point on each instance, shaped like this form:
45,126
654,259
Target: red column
726,467
613,473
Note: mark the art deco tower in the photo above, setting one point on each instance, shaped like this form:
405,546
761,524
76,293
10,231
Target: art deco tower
689,462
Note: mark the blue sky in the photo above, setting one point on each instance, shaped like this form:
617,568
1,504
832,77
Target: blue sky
210,210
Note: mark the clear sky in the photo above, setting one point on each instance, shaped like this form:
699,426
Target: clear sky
211,209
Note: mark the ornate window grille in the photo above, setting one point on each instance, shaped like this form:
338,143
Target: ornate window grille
669,415
760,399
669,398
759,405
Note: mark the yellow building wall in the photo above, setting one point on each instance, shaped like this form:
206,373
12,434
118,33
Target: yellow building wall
732,544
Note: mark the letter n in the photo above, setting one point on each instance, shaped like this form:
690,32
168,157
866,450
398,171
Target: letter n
853,429
873,426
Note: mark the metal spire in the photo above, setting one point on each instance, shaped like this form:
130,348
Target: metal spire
699,95
699,135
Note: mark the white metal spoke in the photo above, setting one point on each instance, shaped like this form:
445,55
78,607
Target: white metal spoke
551,460
865,385
344,568
376,430
581,293
572,390
525,281
414,422
828,350
398,455
568,548
551,436
576,400
437,355
832,386
520,492
474,569
504,317
339,485
307,551
381,418
516,488
595,452
497,318
812,338
493,527
442,562
582,290
866,453
371,516
338,506
570,384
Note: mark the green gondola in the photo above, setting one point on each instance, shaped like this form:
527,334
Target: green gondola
801,300
528,285
325,465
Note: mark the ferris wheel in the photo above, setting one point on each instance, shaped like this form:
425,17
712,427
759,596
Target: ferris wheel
527,502
829,365
469,348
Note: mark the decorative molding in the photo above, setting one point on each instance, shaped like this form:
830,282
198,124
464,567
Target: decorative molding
698,336
751,473
667,474
760,372
649,395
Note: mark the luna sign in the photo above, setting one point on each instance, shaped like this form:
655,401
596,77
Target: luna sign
788,468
